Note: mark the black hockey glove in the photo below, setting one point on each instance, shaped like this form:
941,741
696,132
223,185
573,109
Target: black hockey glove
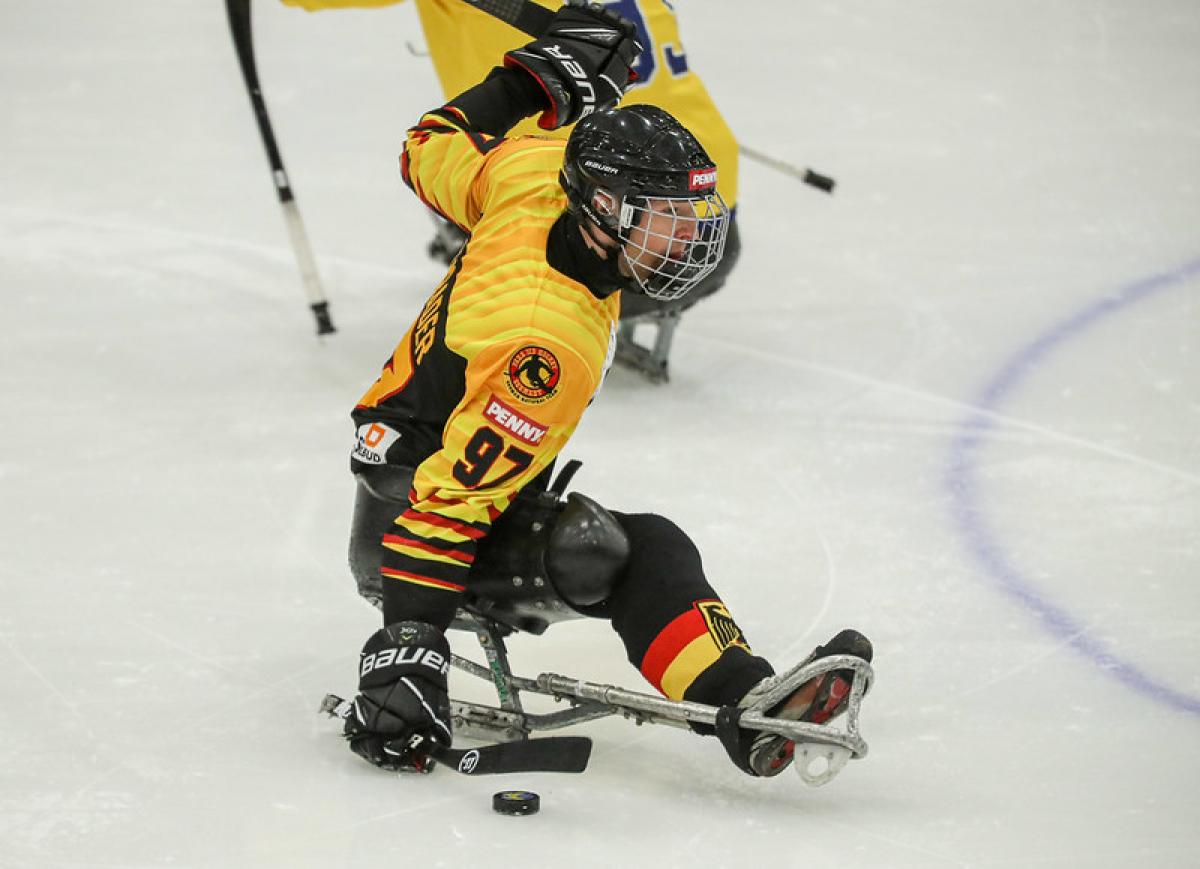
582,62
402,710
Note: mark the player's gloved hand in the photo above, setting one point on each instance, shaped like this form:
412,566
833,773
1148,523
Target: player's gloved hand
582,62
402,709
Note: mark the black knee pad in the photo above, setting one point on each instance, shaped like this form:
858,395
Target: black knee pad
544,560
587,552
548,560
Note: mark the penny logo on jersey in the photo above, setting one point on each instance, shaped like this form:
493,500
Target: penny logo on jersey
514,422
533,374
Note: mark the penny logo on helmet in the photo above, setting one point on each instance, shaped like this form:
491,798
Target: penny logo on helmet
702,179
533,374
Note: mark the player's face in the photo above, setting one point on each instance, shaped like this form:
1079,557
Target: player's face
660,236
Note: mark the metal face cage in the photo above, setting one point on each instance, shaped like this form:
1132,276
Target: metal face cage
670,244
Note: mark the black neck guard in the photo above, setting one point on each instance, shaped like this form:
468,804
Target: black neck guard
568,253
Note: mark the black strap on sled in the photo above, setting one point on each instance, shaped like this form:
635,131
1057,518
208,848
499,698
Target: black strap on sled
559,486
734,738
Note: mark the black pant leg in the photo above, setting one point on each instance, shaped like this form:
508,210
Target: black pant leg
675,628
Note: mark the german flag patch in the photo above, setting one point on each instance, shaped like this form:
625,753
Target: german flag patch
721,626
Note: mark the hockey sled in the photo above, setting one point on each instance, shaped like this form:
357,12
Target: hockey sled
552,559
822,751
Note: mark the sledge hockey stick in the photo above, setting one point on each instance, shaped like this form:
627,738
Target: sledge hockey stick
532,19
548,754
243,41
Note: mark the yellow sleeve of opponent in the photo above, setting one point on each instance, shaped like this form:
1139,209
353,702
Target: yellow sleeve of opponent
465,43
317,5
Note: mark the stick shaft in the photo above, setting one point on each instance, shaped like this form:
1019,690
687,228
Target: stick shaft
243,42
525,15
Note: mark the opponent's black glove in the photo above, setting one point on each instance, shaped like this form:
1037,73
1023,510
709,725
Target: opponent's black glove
582,62
402,708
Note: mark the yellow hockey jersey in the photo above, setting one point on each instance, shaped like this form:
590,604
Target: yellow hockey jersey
494,374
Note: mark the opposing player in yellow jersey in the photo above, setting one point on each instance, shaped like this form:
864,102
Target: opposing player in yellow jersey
463,43
456,439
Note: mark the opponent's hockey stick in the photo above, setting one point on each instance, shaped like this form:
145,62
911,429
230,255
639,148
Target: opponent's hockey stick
548,754
533,20
808,176
239,27
525,15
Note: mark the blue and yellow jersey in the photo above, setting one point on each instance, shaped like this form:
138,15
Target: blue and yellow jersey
464,43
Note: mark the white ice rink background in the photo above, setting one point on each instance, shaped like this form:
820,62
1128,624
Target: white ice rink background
955,405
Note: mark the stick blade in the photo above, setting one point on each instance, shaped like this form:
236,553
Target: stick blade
548,754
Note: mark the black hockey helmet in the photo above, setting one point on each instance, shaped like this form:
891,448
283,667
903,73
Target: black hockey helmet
658,197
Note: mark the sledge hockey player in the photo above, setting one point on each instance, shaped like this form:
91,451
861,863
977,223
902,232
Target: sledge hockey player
463,43
456,439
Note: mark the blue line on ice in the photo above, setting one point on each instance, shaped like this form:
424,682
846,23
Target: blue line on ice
970,515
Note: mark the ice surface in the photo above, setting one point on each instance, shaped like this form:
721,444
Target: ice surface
955,405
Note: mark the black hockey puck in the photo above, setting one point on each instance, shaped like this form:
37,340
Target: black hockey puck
516,803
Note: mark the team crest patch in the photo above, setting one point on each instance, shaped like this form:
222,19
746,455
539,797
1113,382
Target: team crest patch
721,626
533,374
